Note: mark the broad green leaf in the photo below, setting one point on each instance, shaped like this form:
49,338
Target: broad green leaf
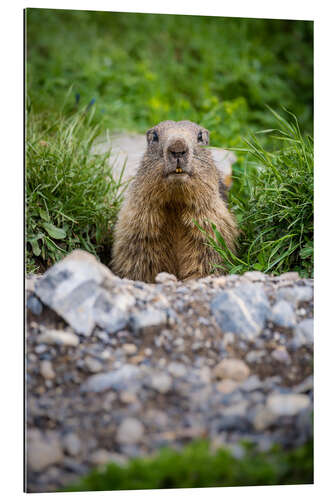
55,232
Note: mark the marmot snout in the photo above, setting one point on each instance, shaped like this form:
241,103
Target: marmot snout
177,184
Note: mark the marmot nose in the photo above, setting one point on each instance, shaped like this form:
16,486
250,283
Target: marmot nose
178,149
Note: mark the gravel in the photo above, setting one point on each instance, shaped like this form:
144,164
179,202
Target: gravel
148,365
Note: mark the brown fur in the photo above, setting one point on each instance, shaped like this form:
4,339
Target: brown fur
155,230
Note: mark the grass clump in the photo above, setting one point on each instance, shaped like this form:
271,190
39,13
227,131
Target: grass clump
71,196
272,198
196,467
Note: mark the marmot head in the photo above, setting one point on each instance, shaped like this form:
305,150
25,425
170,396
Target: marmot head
174,146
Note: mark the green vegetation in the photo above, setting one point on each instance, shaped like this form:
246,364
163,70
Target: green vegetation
134,70
71,197
195,466
273,201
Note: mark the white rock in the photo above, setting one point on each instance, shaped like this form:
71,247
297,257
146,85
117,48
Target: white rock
46,370
161,382
58,337
234,369
287,404
43,451
130,431
72,444
177,369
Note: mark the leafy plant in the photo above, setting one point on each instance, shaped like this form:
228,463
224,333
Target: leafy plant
71,196
195,466
273,202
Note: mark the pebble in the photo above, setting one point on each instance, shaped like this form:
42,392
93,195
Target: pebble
287,404
129,348
44,451
130,431
304,331
296,295
58,337
177,369
283,315
227,386
165,278
72,444
148,318
117,379
242,310
161,382
34,305
281,355
93,365
46,370
234,369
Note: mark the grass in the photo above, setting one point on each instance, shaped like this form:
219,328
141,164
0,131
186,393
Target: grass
133,70
273,201
196,467
71,197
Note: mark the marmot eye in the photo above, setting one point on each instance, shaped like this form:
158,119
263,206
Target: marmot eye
155,137
200,136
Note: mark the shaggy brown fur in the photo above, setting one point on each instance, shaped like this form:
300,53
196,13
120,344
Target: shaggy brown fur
177,183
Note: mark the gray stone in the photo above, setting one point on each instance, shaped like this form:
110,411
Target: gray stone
254,276
58,337
43,450
72,444
255,356
281,355
304,331
161,382
287,404
242,310
107,316
165,278
34,305
71,288
234,369
129,348
177,369
130,431
263,418
283,315
148,318
296,294
93,365
251,384
117,379
46,370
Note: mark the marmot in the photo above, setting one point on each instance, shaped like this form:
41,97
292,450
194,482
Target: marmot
176,185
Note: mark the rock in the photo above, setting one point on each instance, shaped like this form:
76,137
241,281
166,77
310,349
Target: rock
117,379
107,315
227,386
305,386
165,278
264,418
72,444
281,355
234,369
295,295
252,383
129,348
58,337
148,318
290,276
93,365
34,305
283,315
304,331
161,382
130,431
177,369
287,404
101,457
43,450
255,356
46,370
254,276
71,288
242,310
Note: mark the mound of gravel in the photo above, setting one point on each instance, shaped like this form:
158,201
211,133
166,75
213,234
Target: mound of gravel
118,368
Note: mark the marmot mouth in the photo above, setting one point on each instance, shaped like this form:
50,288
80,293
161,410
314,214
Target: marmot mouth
178,171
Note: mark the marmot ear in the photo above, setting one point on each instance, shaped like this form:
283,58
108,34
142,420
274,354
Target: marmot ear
204,136
151,136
